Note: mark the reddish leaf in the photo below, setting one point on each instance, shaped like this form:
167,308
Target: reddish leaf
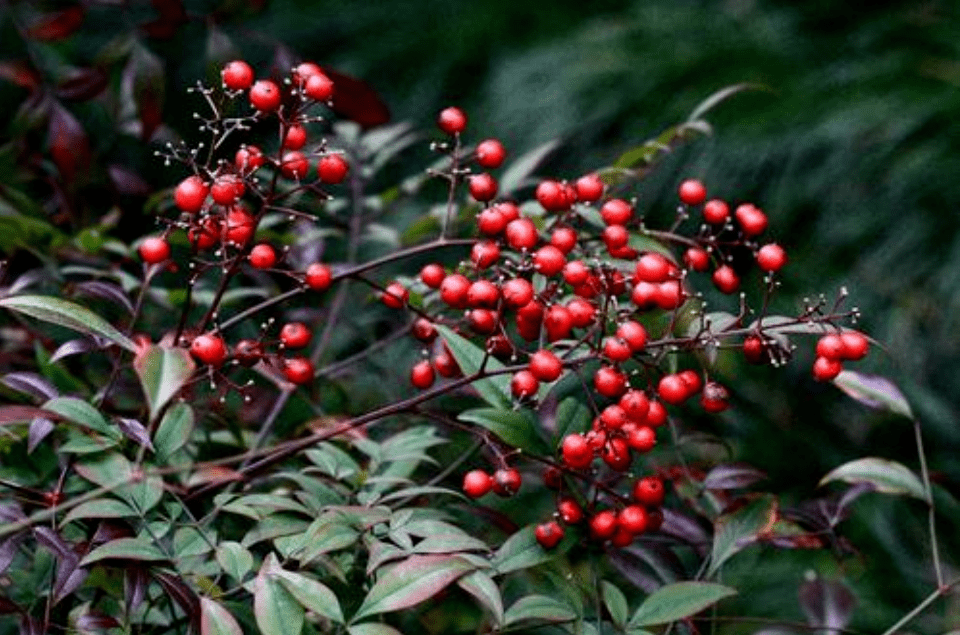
182,595
40,428
415,580
172,15
127,182
68,142
21,74
145,72
732,476
82,84
57,26
96,621
7,606
23,414
357,100
827,604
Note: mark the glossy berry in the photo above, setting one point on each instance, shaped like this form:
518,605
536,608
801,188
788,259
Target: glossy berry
552,196
656,414
395,295
319,87
506,481
613,417
754,349
831,346
726,279
237,75
825,369
616,349
205,234
771,257
248,352
433,275
635,404
295,335
692,192
855,345
262,256
616,211
548,260
751,219
452,120
641,438
521,234
491,221
422,375
615,237
633,334
545,366
609,382
298,370
294,165
483,187
603,525
424,330
548,534
564,239
304,71
318,276
484,254
476,483
446,365
649,491
490,153
154,249
517,292
482,321
576,273
209,349
454,290
239,226
483,293
191,194
691,379
227,189
652,267
295,138
716,211
714,397
524,384
576,451
589,188
633,518
265,96
570,511
558,321
248,159
696,259
672,389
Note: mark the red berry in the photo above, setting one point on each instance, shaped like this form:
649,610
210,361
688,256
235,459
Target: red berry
549,261
523,384
319,87
609,382
564,239
248,159
421,375
482,321
825,369
490,153
642,438
716,212
576,451
262,256
656,414
476,483
545,366
613,417
424,330
616,349
446,364
751,219
227,189
558,321
771,257
692,192
483,293
452,120
672,389
635,404
295,335
691,380
205,234
575,272
616,454
714,398
395,295
491,221
615,237
154,249
548,534
191,194
570,511
237,75
521,234
652,267
855,345
508,210
506,481
517,292
582,312
265,95
499,346
633,334
754,349
589,188
669,295
633,518
318,276
649,491
209,349
483,187
621,538
239,226
484,254
433,275
616,211
696,258
248,352
295,138
552,196
831,347
304,71
454,290
726,279
603,525
294,165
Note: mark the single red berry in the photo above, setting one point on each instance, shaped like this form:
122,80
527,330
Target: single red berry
154,249
205,233
656,414
649,491
395,295
621,538
432,275
227,189
570,511
582,312
483,187
633,518
191,194
424,330
454,290
716,212
548,534
669,295
265,95
642,439
831,347
825,369
294,165
714,397
754,349
616,211
609,382
589,188
696,259
576,273
295,335
319,87
615,237
298,370
524,384
304,71
506,481
548,260
452,120
490,153
545,366
248,352
483,321
209,349
652,267
672,389
553,478
262,256
491,221
552,196
692,192
237,75
603,524
508,210
521,234
635,404
726,279
558,321
613,417
576,451
422,375
484,254
476,483
855,345
616,349
295,138
771,257
517,292
633,334
691,379
248,159
483,293
318,276
564,239
446,364
499,346
751,219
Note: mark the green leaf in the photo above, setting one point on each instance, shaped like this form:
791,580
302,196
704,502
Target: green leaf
173,432
216,620
313,595
67,314
719,97
81,412
888,477
520,169
733,532
677,601
616,603
325,535
372,628
480,585
572,416
520,551
99,508
874,391
126,549
189,541
518,428
494,390
540,608
235,559
275,610
412,581
163,371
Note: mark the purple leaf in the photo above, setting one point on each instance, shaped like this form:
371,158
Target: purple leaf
50,539
82,84
732,476
40,428
127,182
135,431
30,626
134,587
827,604
874,391
96,621
30,384
73,347
686,529
106,291
68,142
8,549
11,513
69,577
26,279
647,567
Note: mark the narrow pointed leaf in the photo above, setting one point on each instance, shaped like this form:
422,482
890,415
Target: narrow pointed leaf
411,582
163,371
539,608
519,551
737,530
481,586
66,314
494,390
874,391
517,428
216,620
173,432
888,477
125,549
275,610
616,603
311,594
678,601
82,412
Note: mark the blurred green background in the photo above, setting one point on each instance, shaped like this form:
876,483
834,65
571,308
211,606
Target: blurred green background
851,147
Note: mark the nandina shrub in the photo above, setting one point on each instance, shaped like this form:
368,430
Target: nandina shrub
307,376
